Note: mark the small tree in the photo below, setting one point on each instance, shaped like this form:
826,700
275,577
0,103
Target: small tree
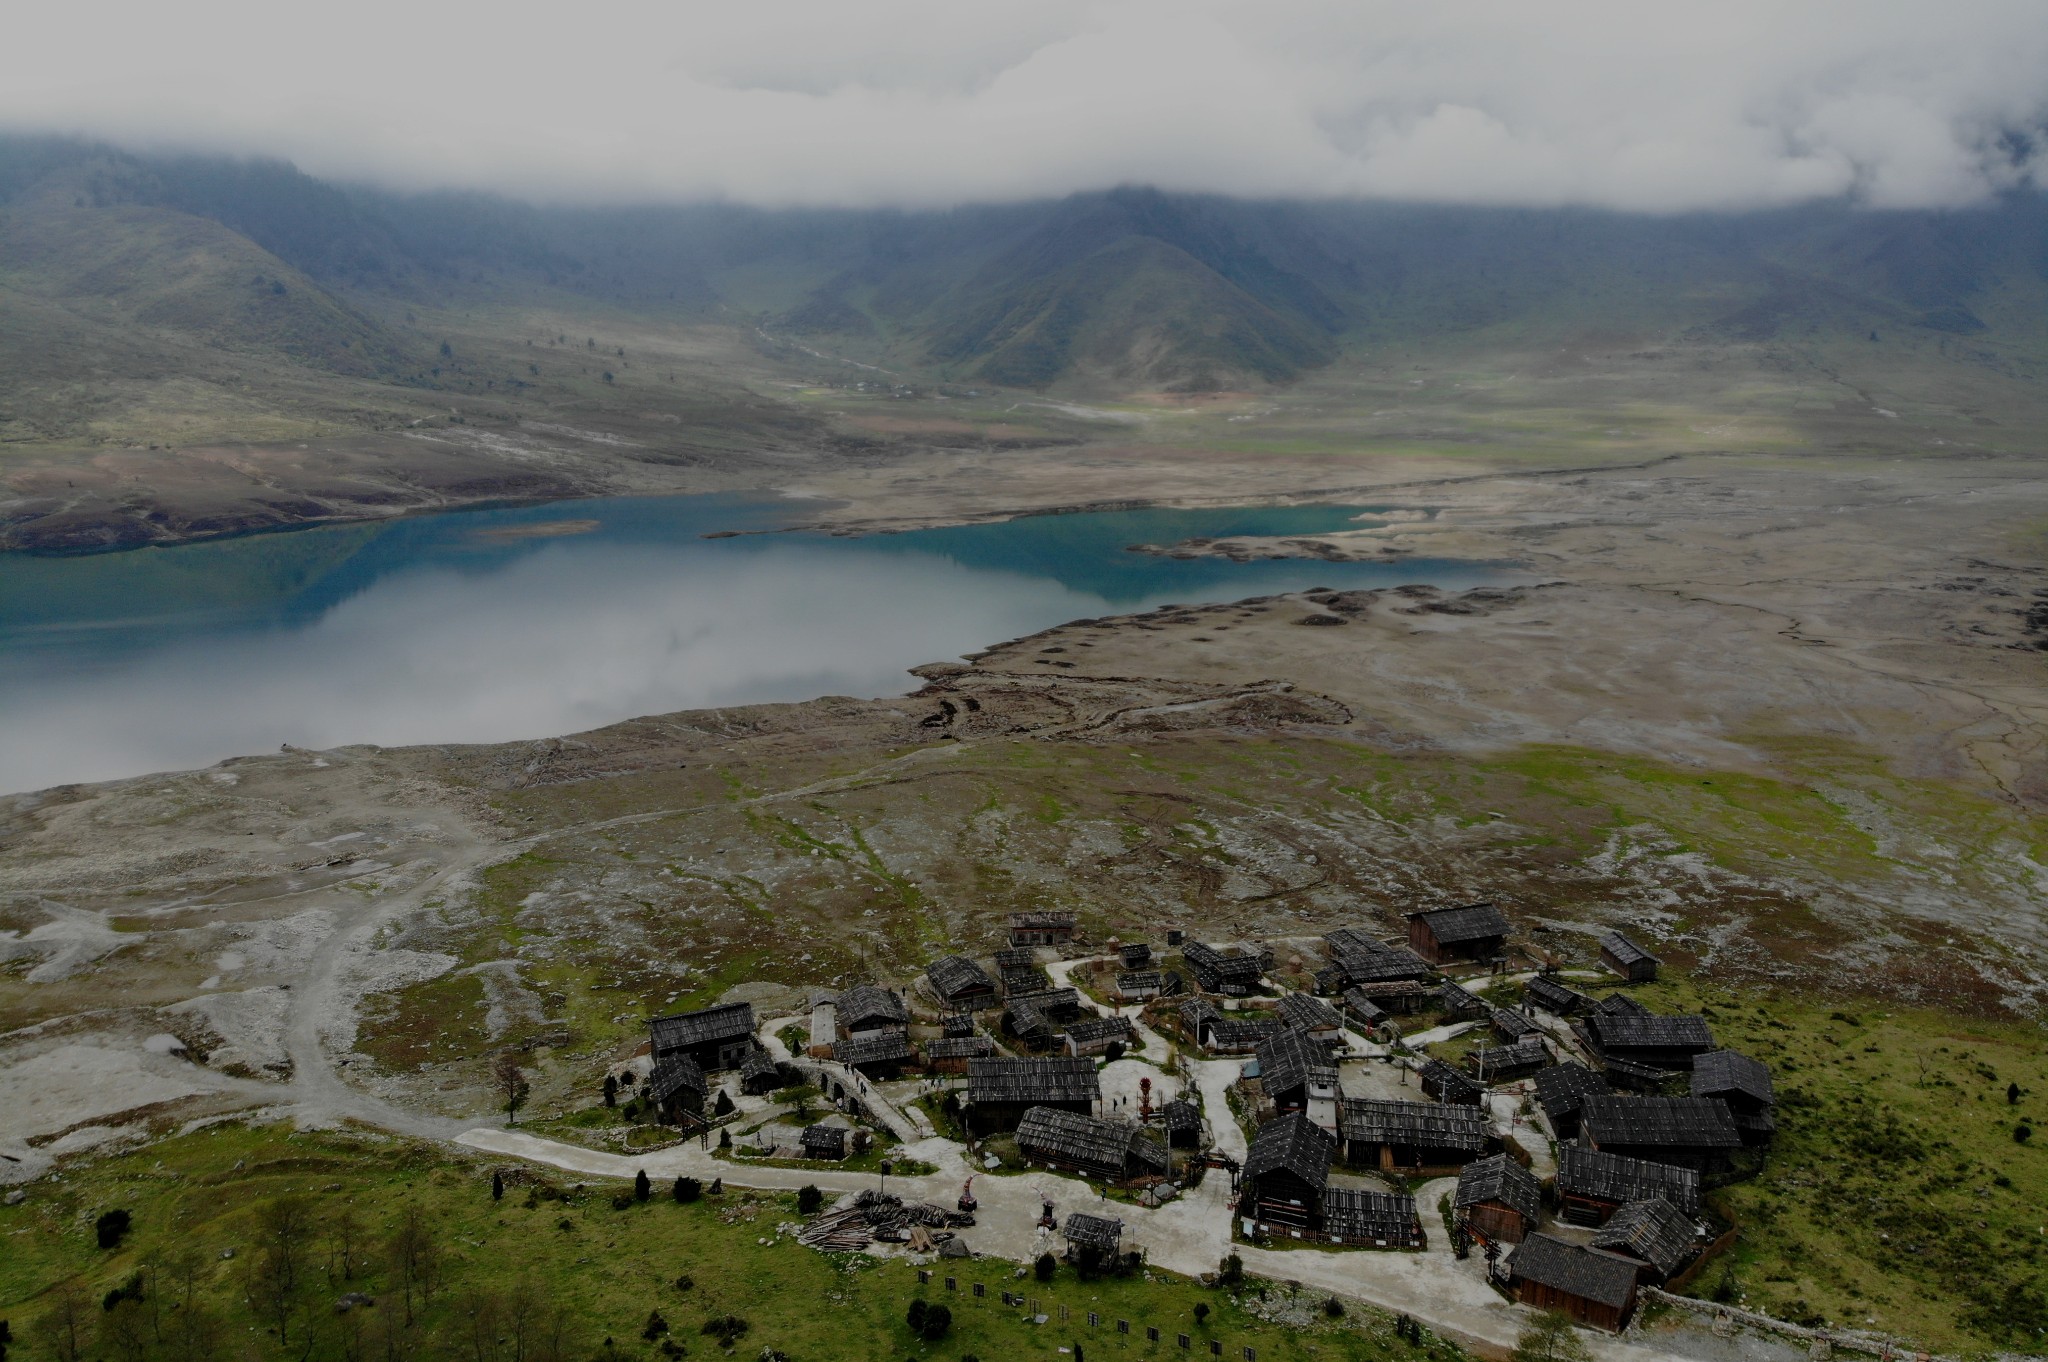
2012,1094
510,1081
808,1200
1045,1267
1334,1308
611,1090
641,1186
937,1321
1230,1271
112,1228
1201,1311
725,1137
497,1185
688,1189
1550,1338
656,1326
914,1316
2022,1132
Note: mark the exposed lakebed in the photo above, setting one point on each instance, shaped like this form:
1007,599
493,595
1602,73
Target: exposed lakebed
483,626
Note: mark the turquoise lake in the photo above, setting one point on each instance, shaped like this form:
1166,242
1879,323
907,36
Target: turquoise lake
483,626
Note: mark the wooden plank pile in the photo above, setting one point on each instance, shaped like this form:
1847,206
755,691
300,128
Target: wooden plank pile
890,1219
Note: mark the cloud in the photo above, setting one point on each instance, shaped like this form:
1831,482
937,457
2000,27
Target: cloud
930,102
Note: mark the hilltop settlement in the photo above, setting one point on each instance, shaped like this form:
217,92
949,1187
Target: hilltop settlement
1509,1113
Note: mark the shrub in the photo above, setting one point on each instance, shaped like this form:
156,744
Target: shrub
1550,1338
112,1228
1230,1271
2022,1132
1334,1308
656,1326
937,1321
685,1282
808,1200
727,1329
1201,1311
642,1188
687,1189
914,1317
724,1137
1045,1267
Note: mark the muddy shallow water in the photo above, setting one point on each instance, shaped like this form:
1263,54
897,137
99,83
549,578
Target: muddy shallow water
490,625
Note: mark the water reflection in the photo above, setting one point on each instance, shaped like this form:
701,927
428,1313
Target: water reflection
411,638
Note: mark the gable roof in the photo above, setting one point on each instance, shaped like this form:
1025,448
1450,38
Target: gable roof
958,1047
1242,1031
1347,939
1181,1114
1620,1004
1512,1025
1625,950
1601,1176
1500,1179
1431,1125
1195,1011
1562,1087
824,1139
1450,1080
1093,1231
882,1047
1133,979
1292,1144
1062,1079
1090,1029
1455,997
1384,1217
866,1002
1653,1230
676,1074
1529,1050
952,975
1589,1274
1473,922
1646,1031
1025,1017
758,1062
707,1026
1203,956
1552,996
1388,964
1099,1140
1292,1059
1310,1014
1725,1073
1658,1122
1016,957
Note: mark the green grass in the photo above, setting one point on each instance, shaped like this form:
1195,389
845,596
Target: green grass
1895,1190
203,1195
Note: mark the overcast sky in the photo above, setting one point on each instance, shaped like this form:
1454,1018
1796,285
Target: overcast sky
1639,105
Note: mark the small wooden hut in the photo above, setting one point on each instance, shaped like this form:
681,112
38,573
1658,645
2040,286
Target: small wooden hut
1445,936
1627,959
1498,1200
1594,1287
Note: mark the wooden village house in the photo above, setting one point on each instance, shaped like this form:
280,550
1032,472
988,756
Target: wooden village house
1646,1039
1553,997
1215,972
1593,1184
1094,1146
1559,1091
950,1054
878,1054
1498,1200
1286,1171
1594,1287
1428,1139
1296,1074
1745,1085
1444,936
1365,1014
1311,1015
1182,1122
1506,1063
958,983
824,1141
1000,1089
1042,929
1134,955
867,1009
1627,959
1092,1240
1659,1236
1140,985
676,1088
1459,1003
1442,1083
1688,1132
715,1037
1366,1219
1228,1035
1094,1035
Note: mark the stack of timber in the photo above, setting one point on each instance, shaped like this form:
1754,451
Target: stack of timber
874,1215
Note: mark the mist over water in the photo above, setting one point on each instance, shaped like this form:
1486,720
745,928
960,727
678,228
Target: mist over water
178,658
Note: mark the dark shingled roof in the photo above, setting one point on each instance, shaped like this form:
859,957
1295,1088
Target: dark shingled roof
1091,1029
952,975
1451,1085
868,1003
1025,1018
1601,1176
1050,1001
822,1141
676,1074
1058,1079
1653,1230
1039,921
1023,979
1562,1087
1098,1140
1625,950
1527,1051
1195,1011
1658,1122
1339,940
1620,1005
1362,1006
1383,1217
1432,1125
1239,968
1630,1031
958,1047
1181,1114
1292,1059
1387,965
1587,1273
883,1047
1296,1144
1310,1014
1130,981
1473,922
1729,1073
1500,1179
1511,1026
1552,996
1016,957
759,1063
1455,997
1228,1032
1093,1231
705,1027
